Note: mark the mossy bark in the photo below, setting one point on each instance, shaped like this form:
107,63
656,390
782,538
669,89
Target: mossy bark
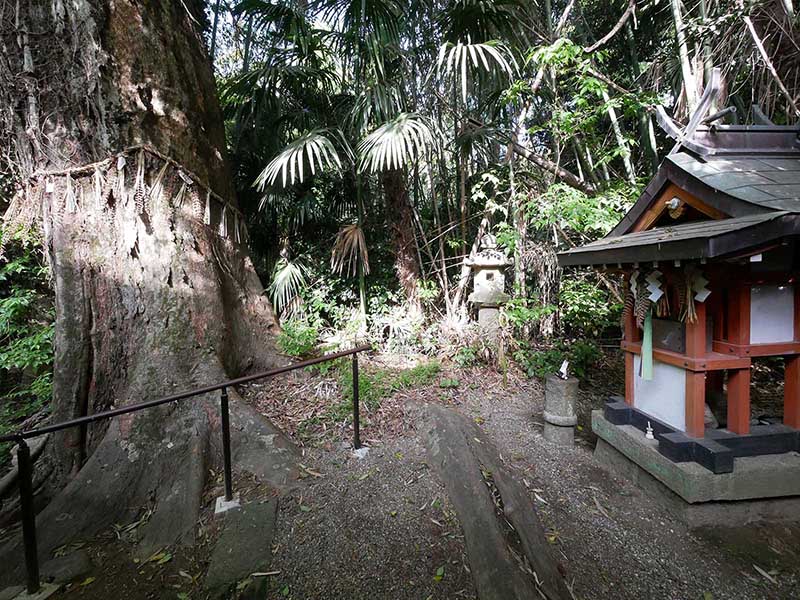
149,299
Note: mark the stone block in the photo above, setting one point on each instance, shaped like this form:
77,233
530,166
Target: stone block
702,514
753,477
560,396
489,320
244,546
564,436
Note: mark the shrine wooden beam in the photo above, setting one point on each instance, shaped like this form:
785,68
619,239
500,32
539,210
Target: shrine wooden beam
659,207
696,381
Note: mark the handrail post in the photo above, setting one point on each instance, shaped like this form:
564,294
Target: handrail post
28,516
226,444
356,423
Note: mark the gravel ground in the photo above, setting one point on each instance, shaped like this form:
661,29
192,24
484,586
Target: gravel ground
382,527
615,541
376,527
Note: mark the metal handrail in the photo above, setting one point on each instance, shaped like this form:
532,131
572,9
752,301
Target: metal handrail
25,464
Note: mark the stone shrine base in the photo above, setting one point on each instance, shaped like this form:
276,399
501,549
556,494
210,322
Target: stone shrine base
760,489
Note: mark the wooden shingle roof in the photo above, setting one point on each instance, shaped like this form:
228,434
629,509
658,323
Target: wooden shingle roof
702,239
750,174
770,182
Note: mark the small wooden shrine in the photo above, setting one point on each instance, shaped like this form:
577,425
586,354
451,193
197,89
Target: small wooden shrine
710,254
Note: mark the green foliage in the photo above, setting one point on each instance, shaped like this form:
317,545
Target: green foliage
586,307
446,382
376,384
422,374
26,333
466,356
395,143
571,209
507,236
428,291
519,312
537,362
299,337
313,151
288,281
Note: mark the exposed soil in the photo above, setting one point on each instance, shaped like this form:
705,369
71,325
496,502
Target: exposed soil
613,540
382,527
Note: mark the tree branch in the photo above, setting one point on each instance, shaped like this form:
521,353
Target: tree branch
567,177
537,81
770,66
603,40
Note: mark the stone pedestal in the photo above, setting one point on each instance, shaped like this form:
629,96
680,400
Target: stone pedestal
759,489
560,396
489,320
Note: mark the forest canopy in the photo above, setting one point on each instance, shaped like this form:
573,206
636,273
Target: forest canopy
373,144
376,142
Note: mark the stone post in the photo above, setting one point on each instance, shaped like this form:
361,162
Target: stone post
560,396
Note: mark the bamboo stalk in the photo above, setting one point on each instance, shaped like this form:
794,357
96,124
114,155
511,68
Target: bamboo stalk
770,66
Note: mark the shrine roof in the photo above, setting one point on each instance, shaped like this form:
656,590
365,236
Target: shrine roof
762,179
698,240
739,170
748,174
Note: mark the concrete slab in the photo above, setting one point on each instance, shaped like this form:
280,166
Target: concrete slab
64,569
44,592
243,548
12,592
753,477
222,506
702,514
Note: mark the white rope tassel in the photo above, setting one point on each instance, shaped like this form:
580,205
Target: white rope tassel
181,193
70,203
207,209
56,207
139,190
236,233
157,189
186,181
121,178
223,223
98,183
197,204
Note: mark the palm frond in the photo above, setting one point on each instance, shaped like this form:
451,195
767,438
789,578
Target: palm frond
288,280
285,16
375,102
465,61
350,250
313,150
489,19
393,144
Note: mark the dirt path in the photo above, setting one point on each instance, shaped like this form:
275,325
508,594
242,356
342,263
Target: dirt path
381,527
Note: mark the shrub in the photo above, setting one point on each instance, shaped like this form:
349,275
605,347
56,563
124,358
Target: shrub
466,356
26,332
586,308
298,337
543,362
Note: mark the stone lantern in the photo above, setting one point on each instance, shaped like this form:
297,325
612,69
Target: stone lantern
489,282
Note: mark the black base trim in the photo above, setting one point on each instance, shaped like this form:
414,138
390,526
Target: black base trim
717,449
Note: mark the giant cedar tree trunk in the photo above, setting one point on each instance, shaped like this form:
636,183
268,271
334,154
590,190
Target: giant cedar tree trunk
150,300
401,223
